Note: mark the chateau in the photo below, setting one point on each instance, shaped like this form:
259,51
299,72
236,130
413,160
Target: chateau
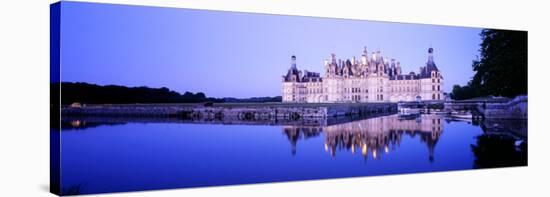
373,78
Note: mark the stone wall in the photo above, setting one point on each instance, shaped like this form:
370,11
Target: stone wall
492,108
514,109
232,111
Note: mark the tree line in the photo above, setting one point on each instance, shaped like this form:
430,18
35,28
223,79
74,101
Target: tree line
80,92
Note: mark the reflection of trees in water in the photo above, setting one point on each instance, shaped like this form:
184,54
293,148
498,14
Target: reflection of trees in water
374,137
502,144
493,151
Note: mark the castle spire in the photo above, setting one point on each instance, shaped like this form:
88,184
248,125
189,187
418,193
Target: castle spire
293,62
430,55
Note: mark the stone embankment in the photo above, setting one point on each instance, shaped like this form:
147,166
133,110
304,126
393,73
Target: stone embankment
495,108
240,111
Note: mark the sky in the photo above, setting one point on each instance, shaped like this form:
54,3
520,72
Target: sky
231,54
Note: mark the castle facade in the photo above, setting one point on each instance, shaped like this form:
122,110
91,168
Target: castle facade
373,78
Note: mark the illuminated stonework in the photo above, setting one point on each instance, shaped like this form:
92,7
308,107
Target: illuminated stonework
371,79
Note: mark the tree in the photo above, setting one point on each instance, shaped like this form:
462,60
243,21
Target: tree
502,68
464,92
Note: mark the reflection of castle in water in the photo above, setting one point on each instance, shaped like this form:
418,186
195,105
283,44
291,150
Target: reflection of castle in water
374,137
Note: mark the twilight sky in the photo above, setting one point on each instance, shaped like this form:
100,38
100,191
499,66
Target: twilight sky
228,54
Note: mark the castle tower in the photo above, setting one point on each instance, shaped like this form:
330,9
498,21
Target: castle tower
430,65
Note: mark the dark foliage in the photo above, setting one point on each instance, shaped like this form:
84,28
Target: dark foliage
464,92
502,67
113,94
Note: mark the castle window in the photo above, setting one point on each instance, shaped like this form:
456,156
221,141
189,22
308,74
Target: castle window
433,88
433,96
437,88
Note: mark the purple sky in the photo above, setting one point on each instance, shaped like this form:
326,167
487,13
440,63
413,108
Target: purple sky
228,54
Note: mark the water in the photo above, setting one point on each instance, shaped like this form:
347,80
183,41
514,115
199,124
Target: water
128,156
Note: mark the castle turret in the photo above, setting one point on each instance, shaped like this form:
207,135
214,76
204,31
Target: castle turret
293,74
430,65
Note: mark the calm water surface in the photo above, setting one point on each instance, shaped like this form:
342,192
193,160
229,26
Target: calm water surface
143,156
